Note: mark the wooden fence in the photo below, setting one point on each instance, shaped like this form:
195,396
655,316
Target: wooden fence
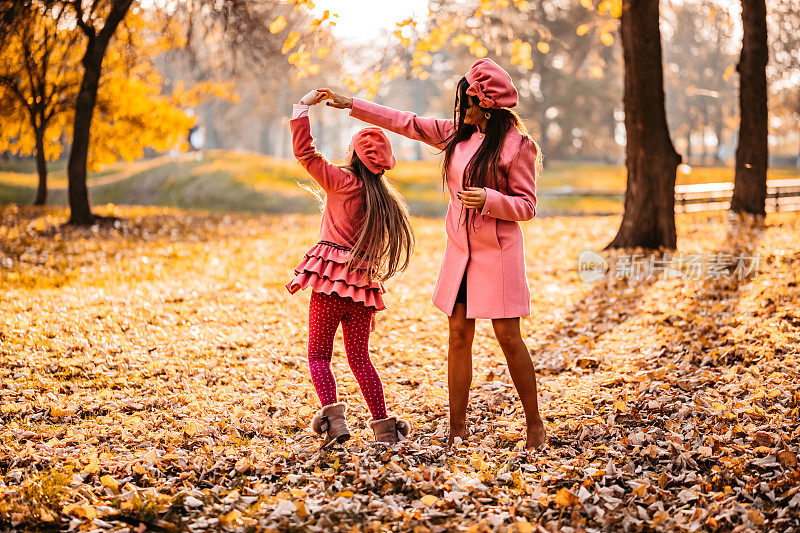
782,195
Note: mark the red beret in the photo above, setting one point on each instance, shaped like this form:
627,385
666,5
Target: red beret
374,149
491,84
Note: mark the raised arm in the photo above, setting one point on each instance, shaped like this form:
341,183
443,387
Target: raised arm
329,176
432,131
520,204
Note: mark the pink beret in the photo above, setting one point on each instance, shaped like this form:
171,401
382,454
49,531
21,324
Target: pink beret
374,149
491,84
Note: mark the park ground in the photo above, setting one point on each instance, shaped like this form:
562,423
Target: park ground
153,375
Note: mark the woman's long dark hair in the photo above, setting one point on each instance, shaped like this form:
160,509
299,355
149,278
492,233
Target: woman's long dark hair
482,169
386,240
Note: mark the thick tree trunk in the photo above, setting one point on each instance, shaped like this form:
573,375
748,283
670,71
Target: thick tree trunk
41,168
650,157
97,42
80,212
750,181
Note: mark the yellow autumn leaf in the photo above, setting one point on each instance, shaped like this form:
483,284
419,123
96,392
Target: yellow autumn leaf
582,30
543,47
463,38
230,517
606,38
478,50
523,526
109,482
191,429
429,500
565,498
587,4
290,41
729,70
79,510
92,468
58,412
755,517
278,24
323,51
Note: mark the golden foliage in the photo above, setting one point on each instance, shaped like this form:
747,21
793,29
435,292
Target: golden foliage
290,42
521,54
278,24
131,113
478,50
60,87
610,7
182,383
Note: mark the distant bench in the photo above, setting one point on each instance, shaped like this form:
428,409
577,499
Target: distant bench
782,195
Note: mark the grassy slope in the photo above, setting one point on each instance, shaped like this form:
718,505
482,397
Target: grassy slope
247,182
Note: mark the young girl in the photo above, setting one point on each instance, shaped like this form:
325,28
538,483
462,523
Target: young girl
365,238
490,166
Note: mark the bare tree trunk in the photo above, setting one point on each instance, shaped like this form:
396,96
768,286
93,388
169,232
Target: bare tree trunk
41,168
718,125
689,153
97,43
80,212
752,152
703,127
650,157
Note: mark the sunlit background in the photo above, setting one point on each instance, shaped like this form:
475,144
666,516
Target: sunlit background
233,82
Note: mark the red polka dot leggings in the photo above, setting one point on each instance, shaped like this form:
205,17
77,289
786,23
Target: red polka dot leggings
324,315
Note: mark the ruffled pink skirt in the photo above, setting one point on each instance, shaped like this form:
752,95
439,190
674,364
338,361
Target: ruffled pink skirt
324,269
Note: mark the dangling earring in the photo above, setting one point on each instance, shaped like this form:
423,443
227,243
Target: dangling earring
487,115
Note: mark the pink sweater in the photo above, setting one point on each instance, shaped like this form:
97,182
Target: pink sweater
323,267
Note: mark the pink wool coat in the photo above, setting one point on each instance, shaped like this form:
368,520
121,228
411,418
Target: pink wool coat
492,255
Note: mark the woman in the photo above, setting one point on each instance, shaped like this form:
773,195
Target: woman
490,166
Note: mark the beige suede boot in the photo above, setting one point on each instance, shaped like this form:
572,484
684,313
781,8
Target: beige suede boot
390,430
331,421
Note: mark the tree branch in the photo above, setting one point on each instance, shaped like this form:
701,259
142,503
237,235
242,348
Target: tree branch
87,28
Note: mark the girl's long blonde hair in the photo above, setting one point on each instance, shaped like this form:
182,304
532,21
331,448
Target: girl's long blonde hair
385,241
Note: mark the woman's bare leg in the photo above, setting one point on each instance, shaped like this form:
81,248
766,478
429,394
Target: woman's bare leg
459,369
522,374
